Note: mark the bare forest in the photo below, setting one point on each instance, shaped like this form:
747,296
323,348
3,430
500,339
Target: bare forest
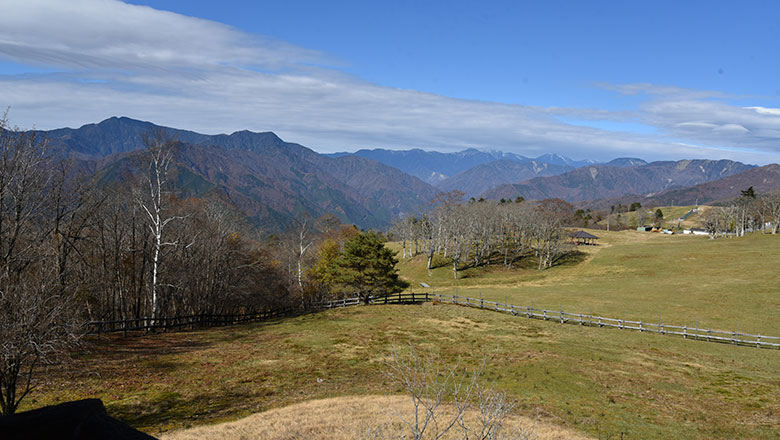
750,212
483,232
74,249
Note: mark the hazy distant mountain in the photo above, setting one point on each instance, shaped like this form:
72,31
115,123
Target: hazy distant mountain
602,181
478,179
271,180
763,180
434,167
111,136
557,159
626,162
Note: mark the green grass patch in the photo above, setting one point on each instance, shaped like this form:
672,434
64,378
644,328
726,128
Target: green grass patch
727,284
589,379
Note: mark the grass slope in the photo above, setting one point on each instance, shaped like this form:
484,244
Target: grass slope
672,214
728,284
597,381
349,418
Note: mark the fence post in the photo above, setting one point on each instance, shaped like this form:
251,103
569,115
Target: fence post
544,312
685,332
758,341
734,337
600,322
528,311
708,335
580,318
640,327
562,317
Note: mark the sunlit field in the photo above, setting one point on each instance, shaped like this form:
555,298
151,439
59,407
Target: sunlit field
595,381
728,284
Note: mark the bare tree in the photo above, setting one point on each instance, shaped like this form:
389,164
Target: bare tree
160,151
771,204
303,241
38,324
720,220
442,396
36,319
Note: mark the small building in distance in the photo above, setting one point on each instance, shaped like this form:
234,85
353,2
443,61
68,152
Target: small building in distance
584,238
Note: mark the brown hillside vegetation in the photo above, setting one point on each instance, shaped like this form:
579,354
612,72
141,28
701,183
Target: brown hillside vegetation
763,179
601,181
342,418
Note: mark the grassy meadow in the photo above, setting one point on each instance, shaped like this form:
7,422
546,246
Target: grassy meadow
595,381
672,214
727,284
601,383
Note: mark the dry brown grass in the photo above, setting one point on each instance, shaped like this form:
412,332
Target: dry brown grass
341,418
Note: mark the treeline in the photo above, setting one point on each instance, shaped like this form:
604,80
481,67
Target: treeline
128,250
478,232
76,246
750,212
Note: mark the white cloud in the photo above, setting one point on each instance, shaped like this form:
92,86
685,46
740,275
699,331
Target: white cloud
121,59
765,110
89,34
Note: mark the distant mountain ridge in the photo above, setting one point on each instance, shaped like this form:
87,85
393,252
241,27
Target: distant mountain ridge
763,179
481,178
603,181
271,180
434,167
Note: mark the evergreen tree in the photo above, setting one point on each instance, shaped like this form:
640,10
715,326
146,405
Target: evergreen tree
658,217
367,267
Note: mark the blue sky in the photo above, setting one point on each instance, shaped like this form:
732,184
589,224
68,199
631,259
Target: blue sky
660,80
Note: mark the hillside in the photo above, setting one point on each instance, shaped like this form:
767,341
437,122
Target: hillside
478,179
431,166
434,167
763,179
593,380
601,181
271,180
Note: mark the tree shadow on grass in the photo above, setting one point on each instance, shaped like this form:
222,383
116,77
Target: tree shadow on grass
169,409
571,258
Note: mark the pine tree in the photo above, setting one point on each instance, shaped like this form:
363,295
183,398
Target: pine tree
367,267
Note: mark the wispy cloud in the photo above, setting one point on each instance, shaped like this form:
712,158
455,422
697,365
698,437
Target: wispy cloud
109,34
120,59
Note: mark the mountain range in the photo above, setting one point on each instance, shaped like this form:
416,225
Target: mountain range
605,181
273,182
763,179
435,167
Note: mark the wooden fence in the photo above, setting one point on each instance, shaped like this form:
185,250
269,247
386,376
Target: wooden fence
560,316
178,322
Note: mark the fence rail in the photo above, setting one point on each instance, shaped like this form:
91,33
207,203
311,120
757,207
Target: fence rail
563,317
700,334
176,322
